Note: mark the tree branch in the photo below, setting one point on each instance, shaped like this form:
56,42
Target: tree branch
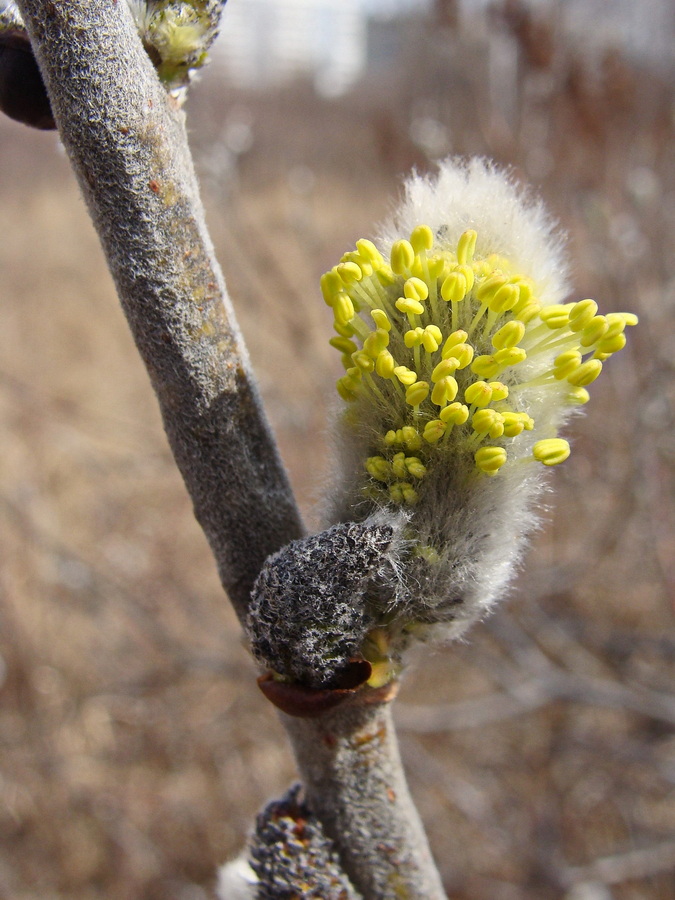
354,781
126,139
127,143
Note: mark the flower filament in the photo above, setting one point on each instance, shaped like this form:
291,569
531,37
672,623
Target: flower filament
454,350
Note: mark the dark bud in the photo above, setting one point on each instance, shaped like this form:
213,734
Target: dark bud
22,91
292,856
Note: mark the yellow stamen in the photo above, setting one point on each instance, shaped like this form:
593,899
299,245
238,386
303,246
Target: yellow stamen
551,452
490,459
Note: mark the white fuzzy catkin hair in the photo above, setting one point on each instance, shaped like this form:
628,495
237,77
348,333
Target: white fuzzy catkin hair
462,362
237,880
479,525
507,217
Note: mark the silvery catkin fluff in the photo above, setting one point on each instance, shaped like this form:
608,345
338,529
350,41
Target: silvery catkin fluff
462,363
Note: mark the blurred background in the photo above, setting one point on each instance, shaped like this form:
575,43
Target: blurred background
135,748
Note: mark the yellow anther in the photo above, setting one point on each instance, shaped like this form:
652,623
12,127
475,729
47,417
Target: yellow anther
330,285
403,492
349,272
488,288
410,437
364,266
508,335
490,459
445,390
432,338
381,319
581,314
566,363
379,468
454,414
504,298
608,345
343,329
528,311
557,315
409,306
417,393
444,368
551,452
405,375
391,438
586,373
466,246
513,424
525,288
385,364
499,262
369,252
416,289
415,467
483,420
348,385
510,356
478,394
363,361
485,366
402,257
410,495
434,431
345,390
628,318
463,353
469,274
595,329
615,328
343,344
422,238
455,287
398,465
346,360
413,338
427,553
385,275
578,396
457,337
499,391
381,672
343,308
376,342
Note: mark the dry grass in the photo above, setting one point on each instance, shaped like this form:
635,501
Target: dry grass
135,748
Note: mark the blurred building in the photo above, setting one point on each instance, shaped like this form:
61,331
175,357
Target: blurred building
266,42
643,31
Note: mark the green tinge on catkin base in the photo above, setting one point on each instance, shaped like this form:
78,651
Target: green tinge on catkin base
449,347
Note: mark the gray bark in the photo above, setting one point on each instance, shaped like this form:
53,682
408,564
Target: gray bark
126,140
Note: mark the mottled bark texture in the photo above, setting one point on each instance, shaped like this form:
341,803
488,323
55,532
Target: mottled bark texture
127,143
354,783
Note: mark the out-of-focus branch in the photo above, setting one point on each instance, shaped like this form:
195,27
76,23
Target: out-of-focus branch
126,139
